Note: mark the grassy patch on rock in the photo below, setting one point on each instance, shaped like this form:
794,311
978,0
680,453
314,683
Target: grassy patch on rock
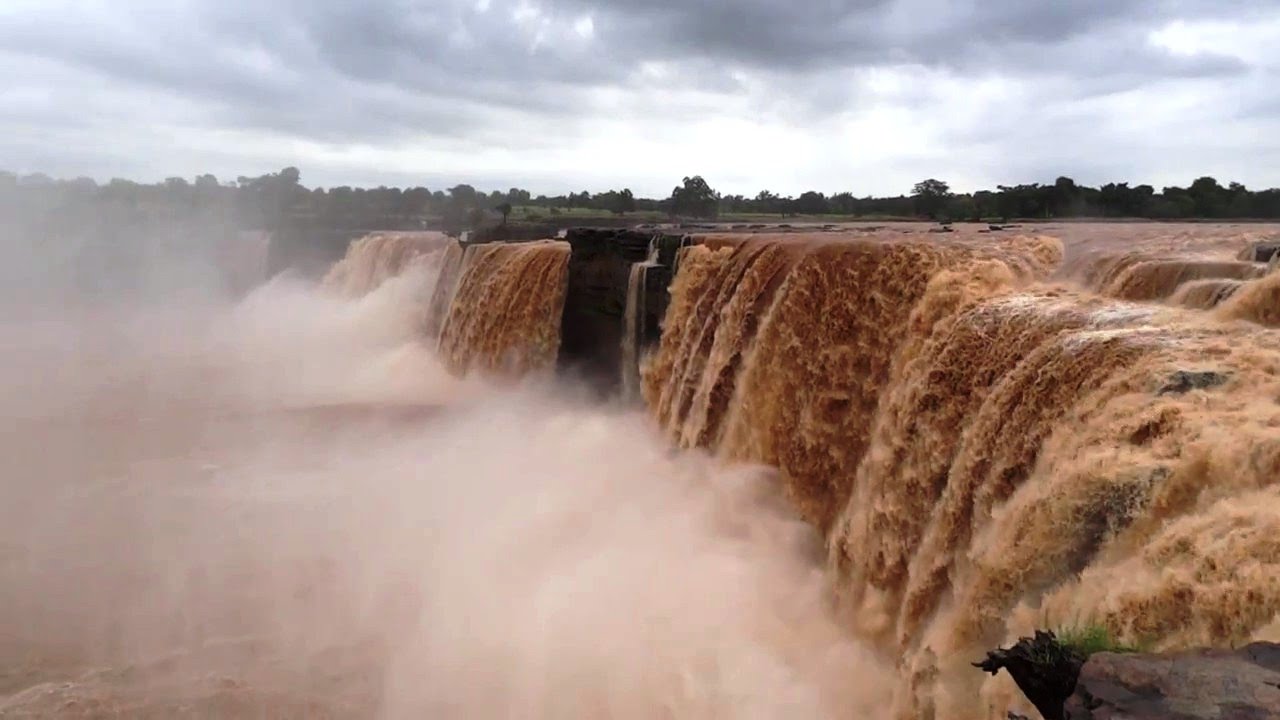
1085,640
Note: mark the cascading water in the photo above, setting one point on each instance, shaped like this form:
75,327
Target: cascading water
982,439
986,453
633,329
374,259
504,315
1205,294
983,451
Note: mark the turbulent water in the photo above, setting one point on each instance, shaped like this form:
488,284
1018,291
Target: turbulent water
376,258
892,451
987,452
290,506
504,309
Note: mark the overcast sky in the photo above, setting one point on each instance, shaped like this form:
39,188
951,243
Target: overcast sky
867,96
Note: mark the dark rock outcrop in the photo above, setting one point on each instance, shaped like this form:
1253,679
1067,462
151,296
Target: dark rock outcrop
1044,670
596,302
513,232
1239,684
1261,251
1184,381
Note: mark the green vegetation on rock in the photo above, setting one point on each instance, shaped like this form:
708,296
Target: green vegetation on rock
1086,640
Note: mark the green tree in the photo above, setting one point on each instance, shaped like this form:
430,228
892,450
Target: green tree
463,195
1240,203
1211,199
844,203
694,197
812,203
931,197
1065,197
618,202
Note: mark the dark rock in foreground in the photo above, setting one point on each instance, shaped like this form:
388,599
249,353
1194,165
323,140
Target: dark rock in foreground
1184,381
1239,684
1044,670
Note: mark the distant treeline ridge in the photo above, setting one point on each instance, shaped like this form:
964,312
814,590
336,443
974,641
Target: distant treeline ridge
266,201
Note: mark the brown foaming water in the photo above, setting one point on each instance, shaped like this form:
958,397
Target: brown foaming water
836,309
376,258
1159,278
288,508
504,315
1205,294
987,453
983,452
1257,301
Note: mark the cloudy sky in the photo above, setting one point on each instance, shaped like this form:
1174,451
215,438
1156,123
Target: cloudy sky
867,96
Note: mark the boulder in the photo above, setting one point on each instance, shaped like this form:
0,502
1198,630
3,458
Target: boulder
1206,684
1261,252
1242,684
1185,381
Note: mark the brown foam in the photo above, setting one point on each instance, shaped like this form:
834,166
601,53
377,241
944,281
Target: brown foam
378,257
1205,294
1257,301
504,317
1155,279
984,454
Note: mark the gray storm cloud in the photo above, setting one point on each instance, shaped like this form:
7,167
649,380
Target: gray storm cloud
460,76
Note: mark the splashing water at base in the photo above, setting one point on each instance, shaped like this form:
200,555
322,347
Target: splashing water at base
216,513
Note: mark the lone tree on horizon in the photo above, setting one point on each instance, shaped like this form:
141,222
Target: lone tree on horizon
695,197
931,197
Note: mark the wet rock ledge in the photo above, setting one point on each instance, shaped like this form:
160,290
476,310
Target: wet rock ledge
1240,684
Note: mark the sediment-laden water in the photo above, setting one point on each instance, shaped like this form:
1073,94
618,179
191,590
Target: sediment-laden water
860,461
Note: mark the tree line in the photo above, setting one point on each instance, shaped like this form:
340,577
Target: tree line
265,201
1205,198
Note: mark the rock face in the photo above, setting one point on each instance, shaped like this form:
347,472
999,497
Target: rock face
1044,670
1239,684
1197,685
513,232
1262,251
596,303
